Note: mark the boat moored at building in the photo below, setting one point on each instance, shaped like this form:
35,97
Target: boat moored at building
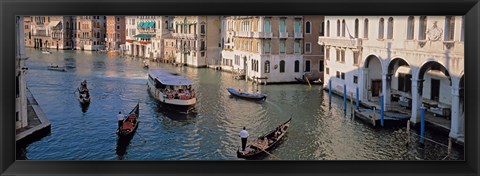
171,88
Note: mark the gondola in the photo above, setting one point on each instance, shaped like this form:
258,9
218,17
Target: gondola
264,143
246,95
303,81
56,68
130,124
83,94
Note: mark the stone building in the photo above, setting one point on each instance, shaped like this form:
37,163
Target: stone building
90,32
21,118
48,32
115,32
197,40
268,47
419,58
144,35
313,53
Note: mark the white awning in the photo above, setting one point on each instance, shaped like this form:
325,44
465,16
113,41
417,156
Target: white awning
54,23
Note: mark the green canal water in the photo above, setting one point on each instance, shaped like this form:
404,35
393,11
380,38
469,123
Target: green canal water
316,132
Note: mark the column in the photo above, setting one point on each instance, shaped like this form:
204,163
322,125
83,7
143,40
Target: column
456,119
385,90
365,91
416,99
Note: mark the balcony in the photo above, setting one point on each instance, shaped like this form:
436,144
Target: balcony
341,42
298,35
244,34
263,34
283,35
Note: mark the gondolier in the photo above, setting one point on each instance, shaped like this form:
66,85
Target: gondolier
244,137
120,118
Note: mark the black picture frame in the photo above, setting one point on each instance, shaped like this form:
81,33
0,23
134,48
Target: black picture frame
9,9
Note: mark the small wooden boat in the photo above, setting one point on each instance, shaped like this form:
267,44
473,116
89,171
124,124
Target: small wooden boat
130,124
246,95
84,95
56,68
264,143
303,81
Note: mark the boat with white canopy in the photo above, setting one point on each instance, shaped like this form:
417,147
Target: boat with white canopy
171,88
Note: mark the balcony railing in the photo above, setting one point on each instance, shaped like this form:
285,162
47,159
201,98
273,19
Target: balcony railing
283,35
341,42
298,35
263,34
244,34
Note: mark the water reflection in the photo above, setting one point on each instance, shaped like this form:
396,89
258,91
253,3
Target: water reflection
317,132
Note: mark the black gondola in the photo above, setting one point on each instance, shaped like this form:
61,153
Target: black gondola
246,95
130,124
264,143
83,95
303,81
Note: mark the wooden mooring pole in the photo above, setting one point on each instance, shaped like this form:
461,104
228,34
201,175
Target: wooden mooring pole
351,104
408,132
373,117
449,156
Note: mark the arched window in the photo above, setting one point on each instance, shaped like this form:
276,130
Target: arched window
322,28
282,66
356,28
338,28
98,34
381,28
267,66
297,66
328,28
308,27
423,28
365,28
390,28
410,27
343,28
449,28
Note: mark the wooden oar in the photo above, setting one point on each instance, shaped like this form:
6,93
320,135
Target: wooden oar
269,153
265,151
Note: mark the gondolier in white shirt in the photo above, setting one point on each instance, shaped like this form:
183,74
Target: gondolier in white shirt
244,135
120,118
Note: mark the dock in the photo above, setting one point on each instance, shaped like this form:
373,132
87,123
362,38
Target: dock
38,124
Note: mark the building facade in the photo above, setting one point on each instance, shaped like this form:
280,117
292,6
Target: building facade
115,32
169,51
420,58
21,119
312,52
90,33
145,35
267,47
197,40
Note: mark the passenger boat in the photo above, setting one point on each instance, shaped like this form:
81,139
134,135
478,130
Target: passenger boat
264,143
56,68
246,95
46,52
130,123
84,94
171,88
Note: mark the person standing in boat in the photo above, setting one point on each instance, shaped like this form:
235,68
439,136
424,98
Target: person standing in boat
120,118
244,136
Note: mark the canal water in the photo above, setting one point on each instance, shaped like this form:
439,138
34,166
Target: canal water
316,132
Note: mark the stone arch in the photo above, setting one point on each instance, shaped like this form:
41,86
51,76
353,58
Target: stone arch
399,74
435,82
373,69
